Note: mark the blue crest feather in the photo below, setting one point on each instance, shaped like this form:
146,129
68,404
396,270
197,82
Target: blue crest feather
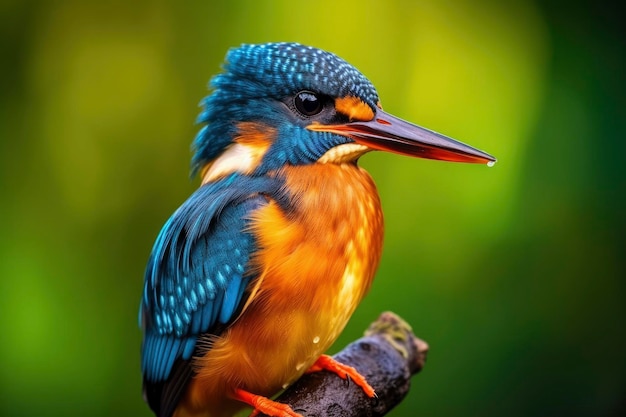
268,73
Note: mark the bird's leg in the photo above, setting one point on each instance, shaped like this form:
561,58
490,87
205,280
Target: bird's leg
264,405
327,363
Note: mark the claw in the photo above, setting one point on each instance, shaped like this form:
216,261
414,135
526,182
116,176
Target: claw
264,405
327,363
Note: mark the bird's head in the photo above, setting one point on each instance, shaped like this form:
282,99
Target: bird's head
284,103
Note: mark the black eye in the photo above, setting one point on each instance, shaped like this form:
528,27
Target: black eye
308,103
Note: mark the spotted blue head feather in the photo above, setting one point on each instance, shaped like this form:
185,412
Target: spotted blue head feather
266,74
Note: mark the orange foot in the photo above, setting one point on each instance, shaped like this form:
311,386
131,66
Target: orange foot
327,363
264,405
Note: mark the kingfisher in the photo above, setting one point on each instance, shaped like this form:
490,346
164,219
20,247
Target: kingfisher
256,274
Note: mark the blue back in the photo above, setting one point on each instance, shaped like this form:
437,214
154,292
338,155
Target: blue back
196,275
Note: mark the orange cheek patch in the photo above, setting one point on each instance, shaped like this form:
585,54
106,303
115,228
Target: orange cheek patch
255,135
354,108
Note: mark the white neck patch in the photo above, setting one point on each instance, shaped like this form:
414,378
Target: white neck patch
238,157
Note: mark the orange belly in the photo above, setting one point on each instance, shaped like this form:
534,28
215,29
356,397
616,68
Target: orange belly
315,264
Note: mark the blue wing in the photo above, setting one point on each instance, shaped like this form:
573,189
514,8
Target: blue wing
196,276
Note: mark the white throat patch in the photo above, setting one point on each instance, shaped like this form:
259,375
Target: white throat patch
343,153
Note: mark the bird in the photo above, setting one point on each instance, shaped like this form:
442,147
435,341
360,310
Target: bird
257,273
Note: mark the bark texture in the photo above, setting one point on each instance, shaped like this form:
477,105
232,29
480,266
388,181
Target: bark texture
387,356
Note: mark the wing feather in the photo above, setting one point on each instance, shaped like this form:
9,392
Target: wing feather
196,280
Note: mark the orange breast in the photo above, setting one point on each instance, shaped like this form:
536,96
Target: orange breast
315,265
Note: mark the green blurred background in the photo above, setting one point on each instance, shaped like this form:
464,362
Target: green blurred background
515,275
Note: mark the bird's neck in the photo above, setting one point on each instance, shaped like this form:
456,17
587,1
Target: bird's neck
334,223
341,193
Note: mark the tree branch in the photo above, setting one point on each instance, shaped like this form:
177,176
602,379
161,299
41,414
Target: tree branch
386,356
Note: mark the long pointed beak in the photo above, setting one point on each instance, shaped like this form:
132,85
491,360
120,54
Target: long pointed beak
386,132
